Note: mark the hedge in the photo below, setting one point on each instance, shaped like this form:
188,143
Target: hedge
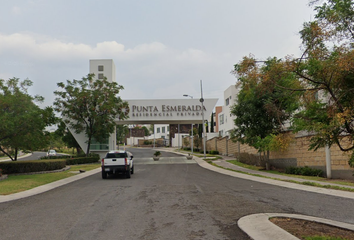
44,164
31,166
304,171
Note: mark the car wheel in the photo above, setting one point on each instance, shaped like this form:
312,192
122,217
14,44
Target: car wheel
127,174
132,170
104,175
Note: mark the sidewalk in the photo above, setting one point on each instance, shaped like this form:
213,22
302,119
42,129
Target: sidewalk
226,165
223,163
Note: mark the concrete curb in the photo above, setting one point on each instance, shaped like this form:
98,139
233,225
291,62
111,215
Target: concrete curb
258,226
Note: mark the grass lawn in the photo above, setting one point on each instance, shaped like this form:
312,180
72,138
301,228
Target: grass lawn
19,183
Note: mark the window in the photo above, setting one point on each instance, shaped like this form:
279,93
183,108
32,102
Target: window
157,130
221,119
116,155
95,145
168,128
163,129
100,68
227,102
100,76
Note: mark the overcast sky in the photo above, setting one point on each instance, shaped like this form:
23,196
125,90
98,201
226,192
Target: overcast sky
161,48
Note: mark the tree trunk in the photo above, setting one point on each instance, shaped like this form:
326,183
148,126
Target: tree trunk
78,150
2,150
88,146
16,151
267,160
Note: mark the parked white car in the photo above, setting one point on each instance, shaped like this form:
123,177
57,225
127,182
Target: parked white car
51,152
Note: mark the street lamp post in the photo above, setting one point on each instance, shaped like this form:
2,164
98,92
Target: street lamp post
202,102
186,95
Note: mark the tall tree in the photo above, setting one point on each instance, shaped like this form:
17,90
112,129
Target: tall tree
324,74
327,70
23,123
263,107
91,107
212,123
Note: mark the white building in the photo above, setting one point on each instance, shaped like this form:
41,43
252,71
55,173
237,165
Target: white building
225,118
162,131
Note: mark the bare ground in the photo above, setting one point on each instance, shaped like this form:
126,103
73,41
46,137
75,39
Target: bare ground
302,228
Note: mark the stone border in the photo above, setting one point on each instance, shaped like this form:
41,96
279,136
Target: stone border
3,177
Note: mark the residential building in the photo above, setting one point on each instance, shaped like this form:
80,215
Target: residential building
225,120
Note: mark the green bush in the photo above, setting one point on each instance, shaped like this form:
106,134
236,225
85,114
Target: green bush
304,171
81,160
32,166
45,164
55,157
146,142
214,152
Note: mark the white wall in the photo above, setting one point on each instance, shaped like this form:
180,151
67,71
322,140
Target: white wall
226,120
178,139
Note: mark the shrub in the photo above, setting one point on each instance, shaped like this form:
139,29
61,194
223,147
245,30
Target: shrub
81,160
304,171
55,157
45,164
32,166
214,152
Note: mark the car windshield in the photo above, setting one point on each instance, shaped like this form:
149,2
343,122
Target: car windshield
116,155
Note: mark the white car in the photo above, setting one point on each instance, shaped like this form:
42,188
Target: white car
51,153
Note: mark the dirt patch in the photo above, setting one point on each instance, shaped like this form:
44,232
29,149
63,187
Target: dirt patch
301,228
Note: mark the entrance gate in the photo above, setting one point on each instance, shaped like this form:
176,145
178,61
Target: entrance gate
158,111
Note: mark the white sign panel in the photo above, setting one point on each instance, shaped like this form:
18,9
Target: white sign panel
168,111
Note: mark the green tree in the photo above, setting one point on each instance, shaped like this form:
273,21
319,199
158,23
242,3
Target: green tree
91,106
122,131
200,130
212,122
67,137
323,76
263,107
146,131
23,123
327,71
152,128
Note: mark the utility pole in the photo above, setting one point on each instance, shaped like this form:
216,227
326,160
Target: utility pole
202,101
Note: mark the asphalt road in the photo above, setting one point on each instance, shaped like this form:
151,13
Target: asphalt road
160,201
